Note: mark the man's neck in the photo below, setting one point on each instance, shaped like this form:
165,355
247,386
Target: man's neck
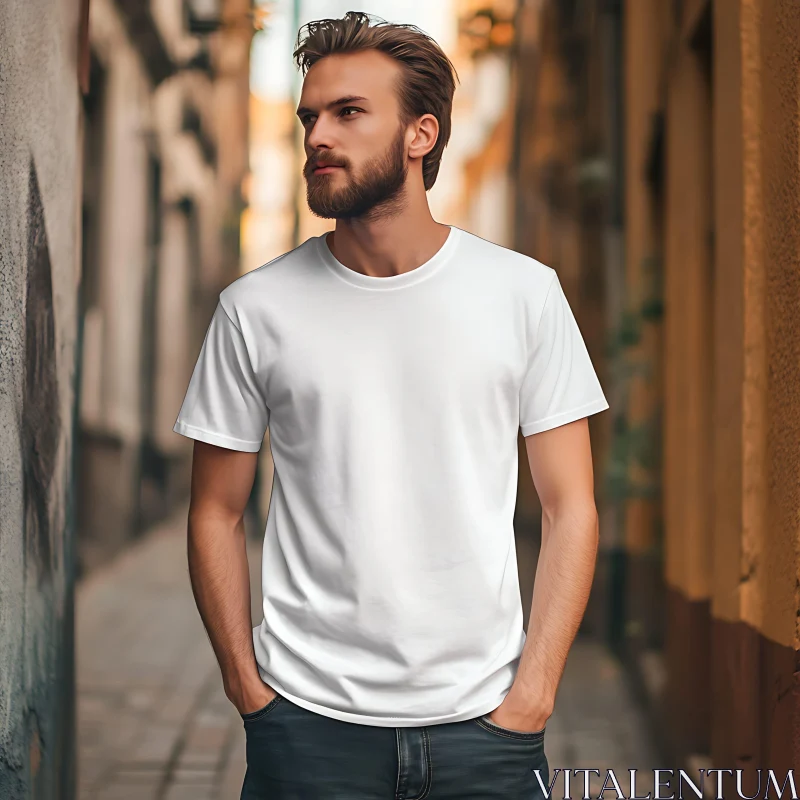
390,246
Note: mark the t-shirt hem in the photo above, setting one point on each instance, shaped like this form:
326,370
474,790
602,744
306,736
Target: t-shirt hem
219,439
556,420
381,722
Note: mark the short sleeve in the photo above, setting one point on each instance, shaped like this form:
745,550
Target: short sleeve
560,384
224,404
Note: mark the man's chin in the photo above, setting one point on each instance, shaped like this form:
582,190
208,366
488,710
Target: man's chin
321,213
322,210
325,208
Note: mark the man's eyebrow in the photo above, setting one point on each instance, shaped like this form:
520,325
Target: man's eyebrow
340,102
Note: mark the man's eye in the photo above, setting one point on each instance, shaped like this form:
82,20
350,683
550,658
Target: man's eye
349,108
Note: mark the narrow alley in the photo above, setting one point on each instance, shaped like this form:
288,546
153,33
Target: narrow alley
646,151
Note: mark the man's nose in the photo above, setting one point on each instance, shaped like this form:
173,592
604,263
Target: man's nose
320,137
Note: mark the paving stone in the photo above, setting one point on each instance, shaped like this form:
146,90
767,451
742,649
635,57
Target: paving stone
194,775
128,791
192,793
121,734
91,772
145,775
204,746
141,698
157,746
212,718
177,705
95,706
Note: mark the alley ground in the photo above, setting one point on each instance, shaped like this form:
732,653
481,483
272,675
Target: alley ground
154,723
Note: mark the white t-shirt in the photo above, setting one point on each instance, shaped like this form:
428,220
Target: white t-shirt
391,594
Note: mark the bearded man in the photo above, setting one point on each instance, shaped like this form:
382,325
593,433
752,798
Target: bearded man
395,361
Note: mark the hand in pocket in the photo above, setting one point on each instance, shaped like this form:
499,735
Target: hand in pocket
253,698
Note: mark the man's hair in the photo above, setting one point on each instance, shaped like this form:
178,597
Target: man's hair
428,76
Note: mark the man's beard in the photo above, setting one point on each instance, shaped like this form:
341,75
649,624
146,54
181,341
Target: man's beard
377,193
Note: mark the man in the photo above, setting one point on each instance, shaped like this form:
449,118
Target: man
394,361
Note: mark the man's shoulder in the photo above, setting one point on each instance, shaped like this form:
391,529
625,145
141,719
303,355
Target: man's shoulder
267,281
505,260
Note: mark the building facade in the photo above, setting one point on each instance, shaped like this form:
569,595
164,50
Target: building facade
164,163
658,173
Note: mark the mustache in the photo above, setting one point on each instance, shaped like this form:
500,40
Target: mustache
320,161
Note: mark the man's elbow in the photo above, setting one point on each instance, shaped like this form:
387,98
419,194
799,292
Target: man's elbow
577,514
213,519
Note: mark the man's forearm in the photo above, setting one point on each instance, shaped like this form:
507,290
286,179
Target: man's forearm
220,579
563,582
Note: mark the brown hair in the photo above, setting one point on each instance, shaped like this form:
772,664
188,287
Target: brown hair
428,82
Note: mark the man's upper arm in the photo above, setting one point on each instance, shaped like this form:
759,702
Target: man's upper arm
221,479
559,385
560,461
558,393
226,413
225,403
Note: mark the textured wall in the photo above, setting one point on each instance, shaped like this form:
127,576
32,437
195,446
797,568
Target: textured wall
39,224
758,294
770,599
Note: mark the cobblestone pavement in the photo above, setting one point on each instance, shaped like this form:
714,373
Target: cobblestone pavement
154,722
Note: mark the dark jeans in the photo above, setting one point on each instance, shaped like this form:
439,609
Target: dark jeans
296,754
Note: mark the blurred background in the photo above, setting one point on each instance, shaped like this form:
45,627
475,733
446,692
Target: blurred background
648,150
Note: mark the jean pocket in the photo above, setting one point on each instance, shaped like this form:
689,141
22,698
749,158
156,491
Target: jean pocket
250,716
491,726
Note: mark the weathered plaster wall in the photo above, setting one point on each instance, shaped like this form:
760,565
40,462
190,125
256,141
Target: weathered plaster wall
756,514
758,296
39,225
770,599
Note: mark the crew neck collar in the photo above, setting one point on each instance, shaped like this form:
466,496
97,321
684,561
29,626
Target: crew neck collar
412,276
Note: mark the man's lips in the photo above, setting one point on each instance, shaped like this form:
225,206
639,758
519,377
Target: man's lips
324,168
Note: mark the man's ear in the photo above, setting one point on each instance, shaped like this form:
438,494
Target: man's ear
426,132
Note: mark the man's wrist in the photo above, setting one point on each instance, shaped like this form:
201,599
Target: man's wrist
531,699
242,682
